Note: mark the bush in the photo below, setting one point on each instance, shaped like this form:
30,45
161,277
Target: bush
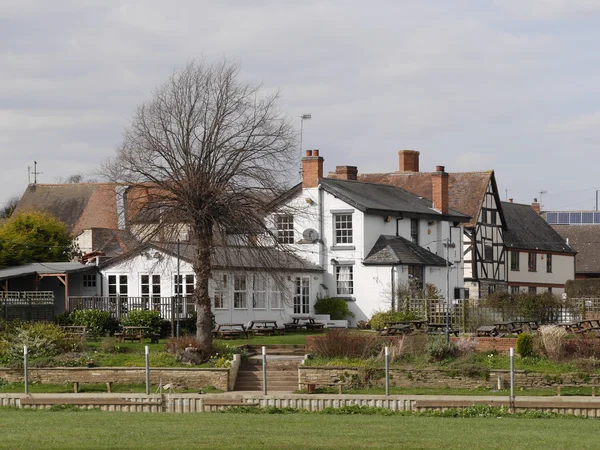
177,345
582,348
345,343
42,340
337,308
552,339
438,349
525,345
379,319
63,318
97,320
466,346
143,318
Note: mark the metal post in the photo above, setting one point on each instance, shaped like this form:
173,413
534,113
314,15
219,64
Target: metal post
387,371
26,363
180,283
512,379
264,369
147,355
447,290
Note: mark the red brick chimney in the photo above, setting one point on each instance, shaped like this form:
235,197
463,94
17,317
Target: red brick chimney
344,173
439,189
510,200
312,169
536,206
409,160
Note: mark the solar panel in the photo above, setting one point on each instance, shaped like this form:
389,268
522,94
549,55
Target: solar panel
587,217
552,218
575,217
597,217
563,218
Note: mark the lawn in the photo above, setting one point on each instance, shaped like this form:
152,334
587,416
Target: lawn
94,429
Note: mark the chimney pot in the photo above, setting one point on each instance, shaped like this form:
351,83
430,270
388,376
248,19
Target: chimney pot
535,200
510,200
440,168
315,152
308,152
312,169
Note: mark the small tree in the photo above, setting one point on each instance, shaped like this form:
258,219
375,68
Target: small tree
34,237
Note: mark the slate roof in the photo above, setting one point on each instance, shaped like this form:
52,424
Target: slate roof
245,258
79,205
113,242
466,189
43,269
390,250
585,239
527,230
383,199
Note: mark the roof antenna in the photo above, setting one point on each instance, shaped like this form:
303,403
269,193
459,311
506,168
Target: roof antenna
35,173
541,194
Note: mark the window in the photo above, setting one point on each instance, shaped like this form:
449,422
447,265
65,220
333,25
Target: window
532,263
240,292
302,295
89,281
415,279
117,285
276,296
285,228
549,290
491,289
548,263
493,217
259,292
150,288
514,260
514,290
344,280
532,289
184,287
343,228
414,231
488,250
220,293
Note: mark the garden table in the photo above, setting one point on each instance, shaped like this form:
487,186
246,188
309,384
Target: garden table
304,322
487,330
231,330
265,327
440,328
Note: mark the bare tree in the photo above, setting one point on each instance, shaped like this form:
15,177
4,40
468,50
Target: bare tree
207,153
8,208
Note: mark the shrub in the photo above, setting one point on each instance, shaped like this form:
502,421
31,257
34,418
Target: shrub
143,318
337,308
346,343
177,345
42,340
63,318
379,319
466,346
552,339
438,349
97,320
582,348
525,344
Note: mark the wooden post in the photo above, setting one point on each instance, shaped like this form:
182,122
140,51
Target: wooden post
66,283
109,386
76,387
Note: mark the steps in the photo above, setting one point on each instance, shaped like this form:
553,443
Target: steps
278,349
282,371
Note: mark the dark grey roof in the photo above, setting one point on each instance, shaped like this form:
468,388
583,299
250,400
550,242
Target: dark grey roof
382,199
44,269
245,258
113,242
585,239
527,230
390,250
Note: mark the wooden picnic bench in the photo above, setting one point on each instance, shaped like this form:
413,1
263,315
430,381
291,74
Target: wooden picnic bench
396,329
231,330
509,327
265,328
440,328
130,333
486,331
307,322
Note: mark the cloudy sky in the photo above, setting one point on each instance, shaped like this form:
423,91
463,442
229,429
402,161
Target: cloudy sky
508,85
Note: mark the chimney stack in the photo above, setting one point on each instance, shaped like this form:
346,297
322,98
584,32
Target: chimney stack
409,160
344,173
536,206
439,189
312,169
510,200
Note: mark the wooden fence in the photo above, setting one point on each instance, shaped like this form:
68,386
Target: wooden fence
27,305
169,307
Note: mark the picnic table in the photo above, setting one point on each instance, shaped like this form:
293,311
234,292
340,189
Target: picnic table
299,322
396,329
509,327
583,326
487,331
440,328
265,328
77,330
231,330
131,333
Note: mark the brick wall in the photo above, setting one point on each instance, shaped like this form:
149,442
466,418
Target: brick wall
178,377
312,169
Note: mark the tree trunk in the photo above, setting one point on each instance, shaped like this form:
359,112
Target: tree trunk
203,271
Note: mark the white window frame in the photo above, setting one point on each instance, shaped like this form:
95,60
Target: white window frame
118,285
154,290
221,292
240,295
259,295
344,279
184,288
343,235
301,304
275,296
284,223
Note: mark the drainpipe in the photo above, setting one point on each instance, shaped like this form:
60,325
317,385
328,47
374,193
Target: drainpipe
393,290
321,228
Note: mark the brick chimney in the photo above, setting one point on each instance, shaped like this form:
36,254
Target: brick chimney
312,169
409,160
439,189
344,173
510,200
536,206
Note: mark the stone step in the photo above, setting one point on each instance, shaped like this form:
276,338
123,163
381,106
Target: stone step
270,387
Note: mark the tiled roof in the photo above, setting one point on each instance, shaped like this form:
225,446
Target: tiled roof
113,242
44,269
466,189
390,250
383,199
527,230
585,239
247,258
79,205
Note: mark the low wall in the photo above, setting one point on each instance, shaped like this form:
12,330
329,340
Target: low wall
432,378
191,378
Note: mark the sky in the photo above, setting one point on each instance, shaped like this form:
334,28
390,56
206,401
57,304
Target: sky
504,85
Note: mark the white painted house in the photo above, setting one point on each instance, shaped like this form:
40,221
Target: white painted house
540,259
371,238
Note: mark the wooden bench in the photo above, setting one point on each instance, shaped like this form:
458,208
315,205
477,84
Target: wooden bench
559,386
76,387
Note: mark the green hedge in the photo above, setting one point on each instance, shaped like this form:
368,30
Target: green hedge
583,288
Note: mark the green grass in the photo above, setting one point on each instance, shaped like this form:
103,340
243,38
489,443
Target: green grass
97,430
298,338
